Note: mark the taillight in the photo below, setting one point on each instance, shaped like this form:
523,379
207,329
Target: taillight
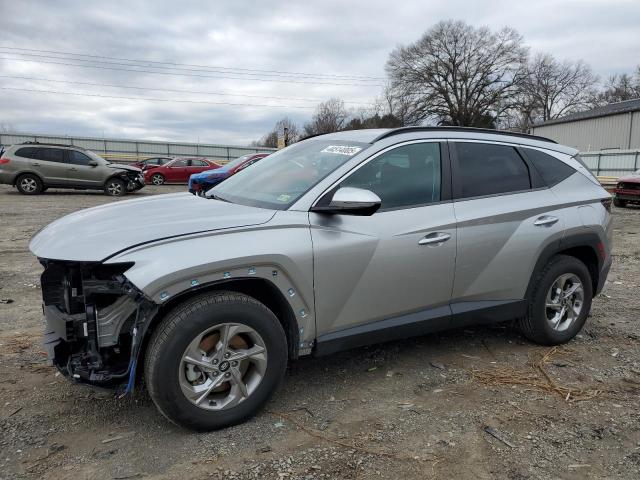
3,161
606,203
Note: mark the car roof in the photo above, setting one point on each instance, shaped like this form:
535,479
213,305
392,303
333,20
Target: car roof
55,145
467,133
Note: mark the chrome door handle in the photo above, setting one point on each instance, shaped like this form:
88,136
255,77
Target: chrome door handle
545,220
432,238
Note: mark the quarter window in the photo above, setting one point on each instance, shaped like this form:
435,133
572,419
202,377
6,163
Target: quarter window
552,170
404,177
487,169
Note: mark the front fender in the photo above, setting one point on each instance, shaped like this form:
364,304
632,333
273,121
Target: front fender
279,252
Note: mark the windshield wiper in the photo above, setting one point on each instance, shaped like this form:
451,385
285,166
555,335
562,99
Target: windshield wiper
217,197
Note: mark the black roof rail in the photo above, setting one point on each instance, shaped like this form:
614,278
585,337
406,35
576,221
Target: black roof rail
398,131
46,144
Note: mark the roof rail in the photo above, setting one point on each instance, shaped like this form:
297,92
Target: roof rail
398,131
46,144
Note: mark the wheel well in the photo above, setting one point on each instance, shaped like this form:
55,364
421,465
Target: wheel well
589,257
21,174
260,289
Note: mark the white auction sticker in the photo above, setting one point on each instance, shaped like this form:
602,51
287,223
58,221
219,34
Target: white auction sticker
342,149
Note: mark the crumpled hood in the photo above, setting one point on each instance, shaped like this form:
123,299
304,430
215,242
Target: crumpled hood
99,232
124,167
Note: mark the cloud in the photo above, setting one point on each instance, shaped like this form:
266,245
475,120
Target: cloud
329,37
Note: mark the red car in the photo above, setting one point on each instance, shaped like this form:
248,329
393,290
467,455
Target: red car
178,170
627,190
151,162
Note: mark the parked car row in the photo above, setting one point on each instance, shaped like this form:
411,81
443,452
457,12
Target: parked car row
627,190
34,167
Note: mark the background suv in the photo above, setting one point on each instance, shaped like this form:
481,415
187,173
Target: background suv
334,242
34,167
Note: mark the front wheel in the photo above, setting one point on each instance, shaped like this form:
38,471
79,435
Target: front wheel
115,187
215,360
157,179
559,303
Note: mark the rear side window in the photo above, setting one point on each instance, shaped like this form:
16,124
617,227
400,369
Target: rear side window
487,169
26,152
552,170
199,163
50,154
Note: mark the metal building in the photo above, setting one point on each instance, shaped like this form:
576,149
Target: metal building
614,126
132,150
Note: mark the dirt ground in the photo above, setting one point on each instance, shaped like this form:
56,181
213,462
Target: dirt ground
472,404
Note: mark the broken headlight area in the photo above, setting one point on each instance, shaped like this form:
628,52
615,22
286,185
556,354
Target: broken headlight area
95,319
133,180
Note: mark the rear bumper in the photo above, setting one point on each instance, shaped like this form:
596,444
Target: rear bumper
7,178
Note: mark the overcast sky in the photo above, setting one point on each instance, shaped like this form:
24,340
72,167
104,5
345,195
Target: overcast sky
335,48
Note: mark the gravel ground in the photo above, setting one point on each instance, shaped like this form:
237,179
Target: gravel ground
475,403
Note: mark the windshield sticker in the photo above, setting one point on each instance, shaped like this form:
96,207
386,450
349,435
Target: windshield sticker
342,150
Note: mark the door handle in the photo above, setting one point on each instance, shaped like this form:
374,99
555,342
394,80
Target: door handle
545,220
35,164
433,238
73,169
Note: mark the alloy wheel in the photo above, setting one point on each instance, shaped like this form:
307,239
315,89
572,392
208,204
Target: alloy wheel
157,179
28,185
114,188
222,366
564,301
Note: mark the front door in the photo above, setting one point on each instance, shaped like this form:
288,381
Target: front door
83,174
397,262
177,171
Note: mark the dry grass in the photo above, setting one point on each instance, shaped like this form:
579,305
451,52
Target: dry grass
535,377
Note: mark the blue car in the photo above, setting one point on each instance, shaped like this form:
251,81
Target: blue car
199,183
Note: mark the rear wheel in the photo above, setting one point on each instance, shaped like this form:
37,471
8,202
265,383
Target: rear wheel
560,302
115,187
619,203
157,179
215,360
29,184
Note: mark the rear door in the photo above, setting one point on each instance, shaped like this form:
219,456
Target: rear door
505,217
51,164
398,261
81,173
177,171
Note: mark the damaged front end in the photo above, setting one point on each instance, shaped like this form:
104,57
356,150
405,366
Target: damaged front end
133,180
95,321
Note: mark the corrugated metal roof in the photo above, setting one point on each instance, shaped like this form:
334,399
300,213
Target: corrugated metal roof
604,111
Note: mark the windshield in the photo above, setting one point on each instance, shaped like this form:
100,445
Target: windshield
278,180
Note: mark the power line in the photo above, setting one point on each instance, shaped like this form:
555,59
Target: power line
18,77
102,67
156,99
233,70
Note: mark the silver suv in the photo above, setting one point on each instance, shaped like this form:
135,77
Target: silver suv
337,241
33,167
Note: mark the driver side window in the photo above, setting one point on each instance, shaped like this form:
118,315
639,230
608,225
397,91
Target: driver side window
405,177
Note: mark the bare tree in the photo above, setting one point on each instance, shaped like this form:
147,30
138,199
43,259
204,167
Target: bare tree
456,74
621,87
283,127
550,89
330,116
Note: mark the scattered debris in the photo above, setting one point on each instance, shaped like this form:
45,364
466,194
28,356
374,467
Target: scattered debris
499,435
6,301
437,365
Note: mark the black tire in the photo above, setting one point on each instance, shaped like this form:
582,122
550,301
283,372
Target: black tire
29,184
115,187
157,179
535,325
619,203
184,323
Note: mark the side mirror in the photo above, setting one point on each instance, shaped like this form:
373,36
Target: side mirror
351,201
93,163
